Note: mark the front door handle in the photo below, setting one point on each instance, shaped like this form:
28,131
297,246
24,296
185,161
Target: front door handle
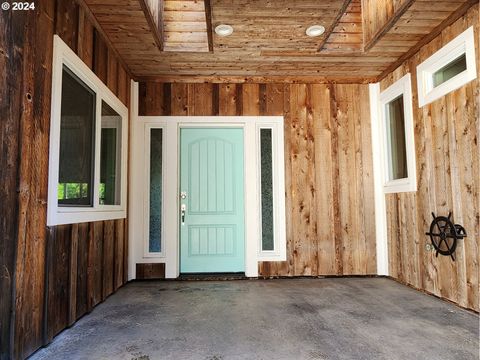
183,211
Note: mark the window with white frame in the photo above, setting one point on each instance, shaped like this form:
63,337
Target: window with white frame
448,69
271,195
398,146
88,137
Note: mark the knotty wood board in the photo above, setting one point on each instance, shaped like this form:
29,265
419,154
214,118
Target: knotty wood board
50,271
447,132
329,200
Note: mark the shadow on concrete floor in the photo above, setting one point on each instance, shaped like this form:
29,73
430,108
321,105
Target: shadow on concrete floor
343,318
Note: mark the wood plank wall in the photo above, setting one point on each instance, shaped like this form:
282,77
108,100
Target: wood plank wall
329,184
447,132
49,276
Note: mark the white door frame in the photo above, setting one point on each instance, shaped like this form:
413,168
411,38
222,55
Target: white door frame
138,194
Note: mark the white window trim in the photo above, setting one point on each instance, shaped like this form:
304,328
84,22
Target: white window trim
400,87
462,44
138,237
278,182
57,215
379,195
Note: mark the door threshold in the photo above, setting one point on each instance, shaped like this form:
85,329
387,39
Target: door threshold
212,276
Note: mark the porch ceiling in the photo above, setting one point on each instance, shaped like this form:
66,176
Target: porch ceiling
363,40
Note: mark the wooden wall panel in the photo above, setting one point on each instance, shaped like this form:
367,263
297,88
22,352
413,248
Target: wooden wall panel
11,64
150,271
58,265
108,257
448,162
82,269
330,222
46,273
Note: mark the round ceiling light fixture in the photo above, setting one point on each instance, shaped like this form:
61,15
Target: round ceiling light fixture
223,30
315,30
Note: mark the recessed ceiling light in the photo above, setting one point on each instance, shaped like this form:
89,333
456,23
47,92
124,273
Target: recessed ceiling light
315,30
224,30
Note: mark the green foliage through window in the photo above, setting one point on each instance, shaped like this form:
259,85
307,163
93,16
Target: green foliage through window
72,191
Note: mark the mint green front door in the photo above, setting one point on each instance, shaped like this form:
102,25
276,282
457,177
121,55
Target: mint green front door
212,200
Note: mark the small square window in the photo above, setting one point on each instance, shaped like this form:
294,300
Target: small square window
397,137
448,69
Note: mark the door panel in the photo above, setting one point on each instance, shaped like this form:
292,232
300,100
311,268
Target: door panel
212,177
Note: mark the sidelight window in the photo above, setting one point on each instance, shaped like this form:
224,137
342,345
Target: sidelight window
448,69
271,197
155,185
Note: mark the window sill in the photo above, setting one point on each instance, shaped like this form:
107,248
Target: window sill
76,217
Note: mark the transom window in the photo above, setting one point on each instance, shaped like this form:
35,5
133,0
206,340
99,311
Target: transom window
448,69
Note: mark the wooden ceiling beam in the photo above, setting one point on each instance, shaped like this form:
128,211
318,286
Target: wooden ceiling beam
347,36
342,11
154,16
208,19
369,43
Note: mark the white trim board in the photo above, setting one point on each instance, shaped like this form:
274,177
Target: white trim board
138,194
379,196
133,168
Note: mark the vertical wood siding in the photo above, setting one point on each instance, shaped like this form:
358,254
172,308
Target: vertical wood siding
447,132
49,276
11,106
328,160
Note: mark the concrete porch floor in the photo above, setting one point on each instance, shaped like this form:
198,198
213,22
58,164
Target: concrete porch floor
344,318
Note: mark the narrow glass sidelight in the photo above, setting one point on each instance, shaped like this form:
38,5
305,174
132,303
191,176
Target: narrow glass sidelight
156,190
266,176
396,143
110,152
77,142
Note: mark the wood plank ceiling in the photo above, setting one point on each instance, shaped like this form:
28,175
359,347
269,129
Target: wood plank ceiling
364,39
185,26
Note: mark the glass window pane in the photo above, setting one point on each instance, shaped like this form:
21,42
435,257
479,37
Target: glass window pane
266,173
110,152
397,153
450,70
77,142
156,186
